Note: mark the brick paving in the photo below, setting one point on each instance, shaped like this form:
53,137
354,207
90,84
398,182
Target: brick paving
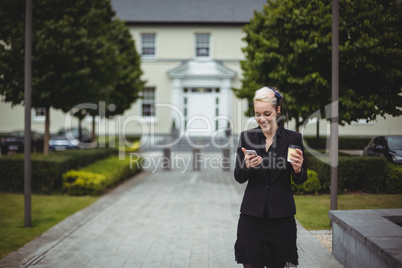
177,218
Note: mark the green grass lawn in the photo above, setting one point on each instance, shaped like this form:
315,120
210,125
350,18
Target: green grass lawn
312,211
46,211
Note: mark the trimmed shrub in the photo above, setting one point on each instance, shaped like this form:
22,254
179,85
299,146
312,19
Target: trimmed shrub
345,143
75,181
99,176
129,149
47,171
114,141
362,174
393,181
355,173
311,185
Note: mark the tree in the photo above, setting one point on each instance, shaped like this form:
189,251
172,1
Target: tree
128,82
74,59
289,46
370,59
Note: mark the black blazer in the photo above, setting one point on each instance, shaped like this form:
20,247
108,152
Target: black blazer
276,193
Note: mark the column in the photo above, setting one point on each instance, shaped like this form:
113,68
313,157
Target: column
177,101
226,100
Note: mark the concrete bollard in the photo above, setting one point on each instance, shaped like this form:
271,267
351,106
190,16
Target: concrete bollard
226,159
166,161
196,158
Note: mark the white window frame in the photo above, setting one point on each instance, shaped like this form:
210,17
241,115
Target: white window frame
36,117
197,46
147,102
145,45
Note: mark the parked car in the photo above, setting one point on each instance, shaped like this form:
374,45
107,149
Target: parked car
389,147
60,141
14,142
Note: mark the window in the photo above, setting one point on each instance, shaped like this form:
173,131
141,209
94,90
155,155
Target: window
202,48
148,102
198,90
38,114
40,111
148,45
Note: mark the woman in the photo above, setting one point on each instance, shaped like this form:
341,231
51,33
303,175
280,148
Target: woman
266,234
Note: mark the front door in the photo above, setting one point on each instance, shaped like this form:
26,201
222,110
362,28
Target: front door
201,106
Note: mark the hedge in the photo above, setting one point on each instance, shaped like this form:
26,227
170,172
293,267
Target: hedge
312,185
129,149
47,171
345,143
115,140
357,173
393,181
99,176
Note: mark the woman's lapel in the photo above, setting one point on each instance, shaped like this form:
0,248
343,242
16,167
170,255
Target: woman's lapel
259,146
281,157
256,142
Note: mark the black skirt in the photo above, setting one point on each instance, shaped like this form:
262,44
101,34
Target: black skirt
266,242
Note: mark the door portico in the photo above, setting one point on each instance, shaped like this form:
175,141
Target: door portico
201,90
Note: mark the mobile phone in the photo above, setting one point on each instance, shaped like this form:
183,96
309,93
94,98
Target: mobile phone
251,152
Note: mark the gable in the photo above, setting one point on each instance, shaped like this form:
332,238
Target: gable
201,69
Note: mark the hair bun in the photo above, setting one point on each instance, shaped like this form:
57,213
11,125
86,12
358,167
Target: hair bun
277,94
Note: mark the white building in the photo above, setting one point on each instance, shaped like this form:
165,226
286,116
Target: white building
191,53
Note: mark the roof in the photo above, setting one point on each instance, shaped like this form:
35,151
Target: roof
187,11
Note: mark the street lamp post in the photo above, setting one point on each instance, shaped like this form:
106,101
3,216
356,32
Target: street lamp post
27,102
335,105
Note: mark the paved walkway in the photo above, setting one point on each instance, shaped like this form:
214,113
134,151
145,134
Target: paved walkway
178,218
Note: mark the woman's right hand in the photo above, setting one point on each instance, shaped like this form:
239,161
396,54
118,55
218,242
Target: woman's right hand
251,160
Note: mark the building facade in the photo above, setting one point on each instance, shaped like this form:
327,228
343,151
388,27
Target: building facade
191,53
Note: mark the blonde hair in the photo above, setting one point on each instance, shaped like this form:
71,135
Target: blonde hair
266,94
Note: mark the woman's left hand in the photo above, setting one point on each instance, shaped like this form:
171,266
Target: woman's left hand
297,160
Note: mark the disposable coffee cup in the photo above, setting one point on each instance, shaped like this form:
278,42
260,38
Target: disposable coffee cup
292,150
